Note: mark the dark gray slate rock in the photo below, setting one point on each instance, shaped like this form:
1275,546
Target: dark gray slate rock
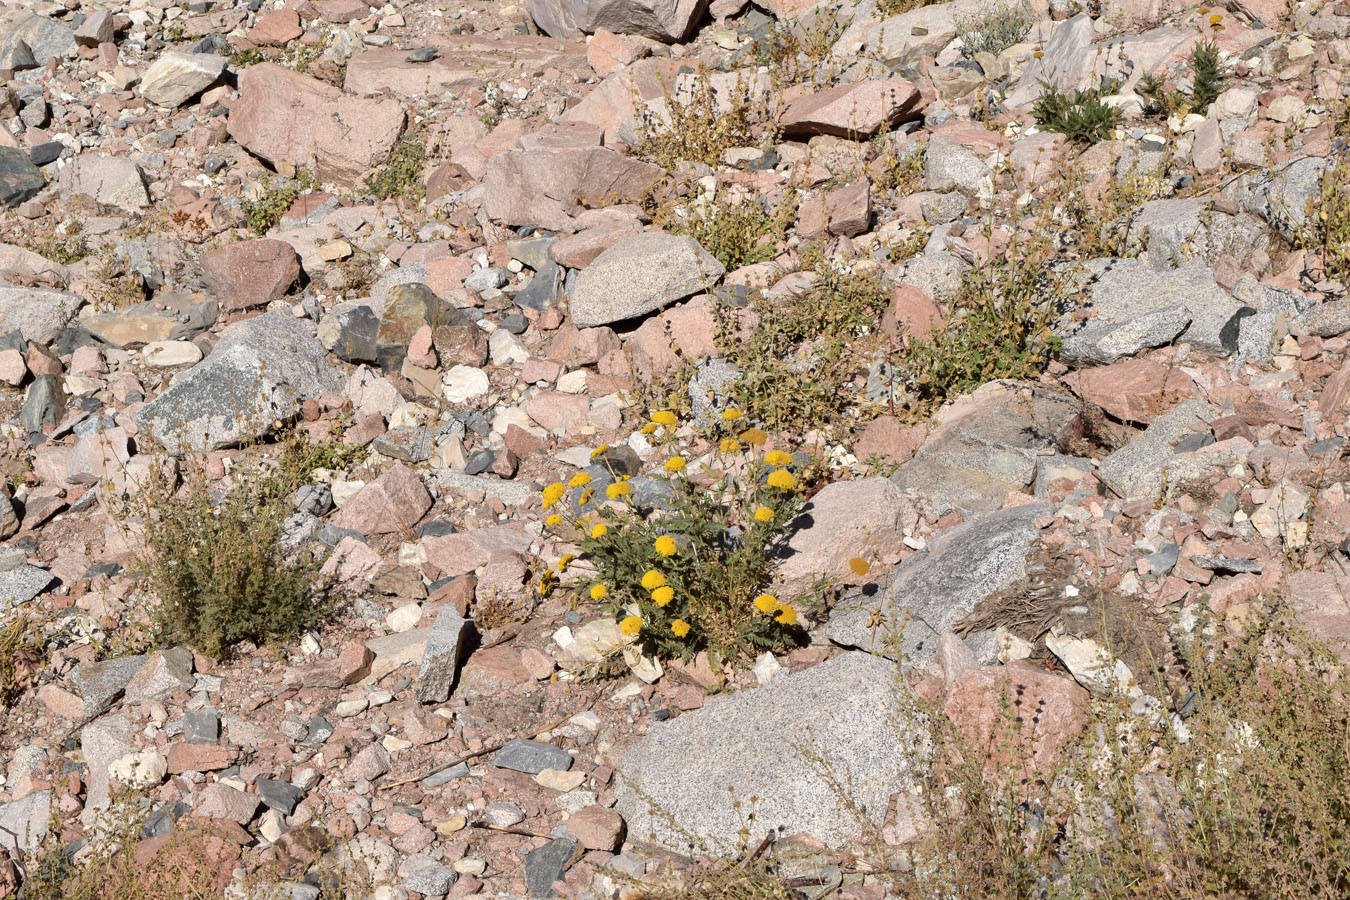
21,584
544,290
20,180
1137,306
445,777
440,660
45,38
101,683
545,865
844,711
409,443
43,404
259,373
986,445
936,588
279,795
351,334
532,757
201,726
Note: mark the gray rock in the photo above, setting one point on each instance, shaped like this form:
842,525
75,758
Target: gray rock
445,776
351,333
23,822
44,37
1174,231
103,742
1325,320
936,588
532,252
662,20
279,795
948,165
201,726
20,180
17,56
640,274
503,814
1048,468
545,865
101,683
486,279
532,757
440,660
985,446
1281,195
409,443
708,388
39,313
110,180
1151,302
544,290
259,373
44,403
1136,470
9,520
21,584
162,673
843,711
426,876
175,78
1161,561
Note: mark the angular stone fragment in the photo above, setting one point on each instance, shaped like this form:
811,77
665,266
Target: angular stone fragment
292,119
20,180
24,822
937,587
250,273
854,110
38,313
548,188
108,180
164,672
532,757
662,20
1136,470
392,503
640,274
175,78
844,711
440,661
101,683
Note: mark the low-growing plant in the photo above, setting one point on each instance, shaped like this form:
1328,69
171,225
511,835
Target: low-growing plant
1326,221
1080,116
1207,83
249,56
995,27
889,8
215,561
401,175
800,50
263,214
65,247
998,326
738,234
20,654
689,569
1096,224
694,128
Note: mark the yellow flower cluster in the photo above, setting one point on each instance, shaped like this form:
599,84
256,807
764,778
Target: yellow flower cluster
553,493
598,591
782,613
665,545
652,579
663,595
618,489
675,464
763,514
782,479
630,626
664,417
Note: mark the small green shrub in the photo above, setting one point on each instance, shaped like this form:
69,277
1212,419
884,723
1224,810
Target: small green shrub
401,176
999,326
738,234
263,214
249,56
1080,116
1206,77
692,574
1326,221
65,248
995,27
695,129
216,563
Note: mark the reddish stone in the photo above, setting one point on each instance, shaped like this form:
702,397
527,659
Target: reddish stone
353,663
597,828
1134,390
885,438
912,311
250,273
856,109
390,504
185,757
276,28
558,412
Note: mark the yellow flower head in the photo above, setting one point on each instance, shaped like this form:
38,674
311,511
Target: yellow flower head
766,603
553,493
859,566
782,479
553,521
754,436
598,591
630,626
778,458
675,464
665,545
680,627
664,417
586,496
763,514
1038,54
730,445
546,583
565,560
1215,19
581,479
600,530
786,615
599,451
663,595
648,428
731,415
652,579
618,489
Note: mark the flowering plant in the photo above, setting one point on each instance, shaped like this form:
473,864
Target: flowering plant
686,562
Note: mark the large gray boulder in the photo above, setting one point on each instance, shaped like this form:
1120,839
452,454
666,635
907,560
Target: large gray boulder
1281,196
662,20
640,274
1136,470
20,180
175,78
38,313
45,37
1136,306
23,822
844,712
937,587
257,376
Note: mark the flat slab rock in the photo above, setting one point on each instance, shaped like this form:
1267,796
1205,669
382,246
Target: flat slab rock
640,274
938,587
749,742
532,757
